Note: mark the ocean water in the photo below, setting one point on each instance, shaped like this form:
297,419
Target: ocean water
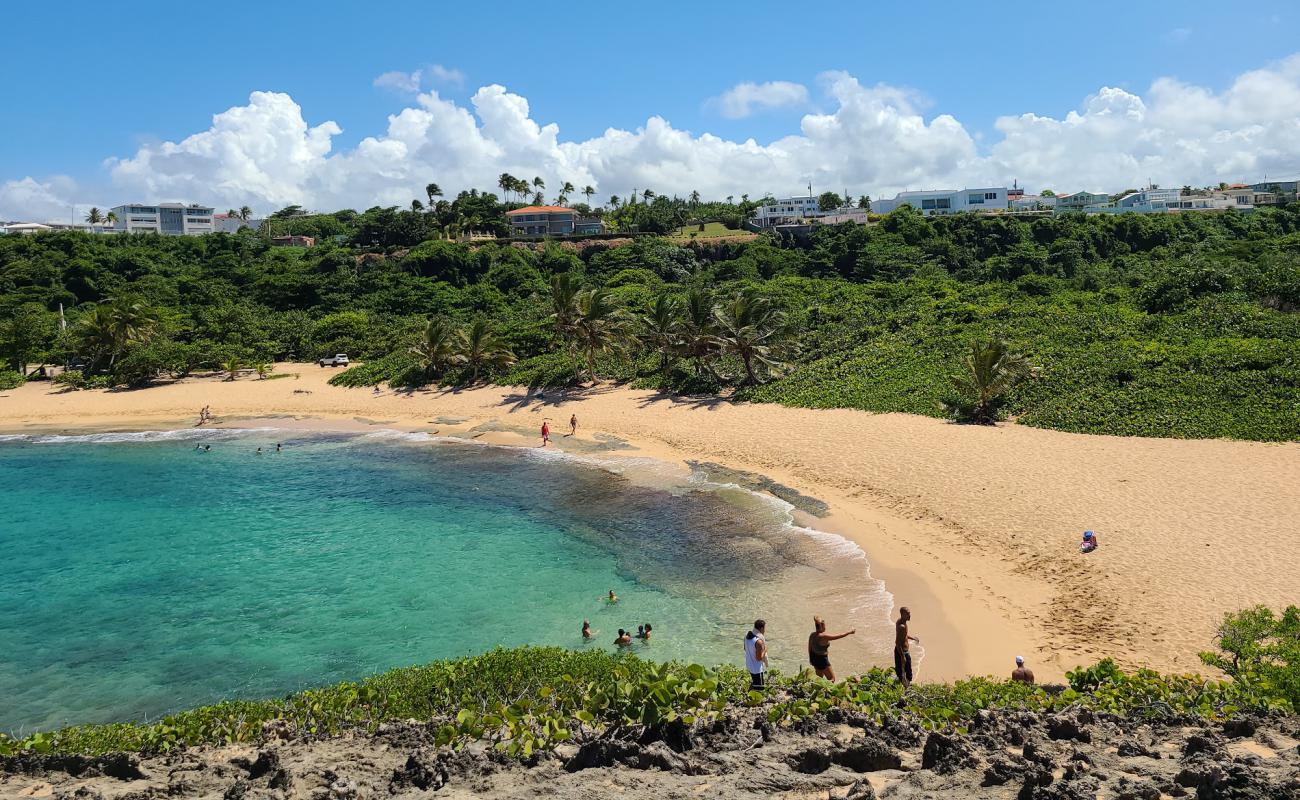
141,576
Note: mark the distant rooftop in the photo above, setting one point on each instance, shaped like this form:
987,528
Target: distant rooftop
538,210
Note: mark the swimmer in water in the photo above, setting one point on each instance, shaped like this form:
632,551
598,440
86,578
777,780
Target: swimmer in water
587,632
613,598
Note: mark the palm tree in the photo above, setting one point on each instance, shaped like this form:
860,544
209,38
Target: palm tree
648,195
110,219
992,370
506,182
245,213
416,205
613,201
432,190
94,217
698,334
479,347
695,198
264,368
600,328
564,305
437,348
729,198
111,327
539,185
538,199
232,213
750,327
662,326
565,190
232,366
588,191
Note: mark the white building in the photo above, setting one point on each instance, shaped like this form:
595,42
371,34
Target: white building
1164,201
1033,202
171,219
225,223
787,211
946,201
24,228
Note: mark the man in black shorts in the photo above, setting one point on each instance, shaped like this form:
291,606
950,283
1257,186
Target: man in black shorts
902,654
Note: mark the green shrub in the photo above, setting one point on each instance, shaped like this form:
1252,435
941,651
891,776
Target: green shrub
76,379
396,369
532,698
11,379
1262,650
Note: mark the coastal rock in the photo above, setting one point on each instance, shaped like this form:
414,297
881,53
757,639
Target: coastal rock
871,755
1132,749
1240,728
1002,771
811,761
423,770
608,752
1129,789
1078,790
1068,726
946,754
861,790
1202,743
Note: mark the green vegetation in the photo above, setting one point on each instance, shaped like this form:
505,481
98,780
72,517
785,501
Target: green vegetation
709,230
10,379
532,698
1261,650
1171,325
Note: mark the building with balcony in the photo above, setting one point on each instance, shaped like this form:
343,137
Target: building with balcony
552,221
787,211
168,219
940,202
1078,201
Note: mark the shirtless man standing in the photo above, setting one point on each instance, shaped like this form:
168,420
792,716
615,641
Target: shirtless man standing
902,656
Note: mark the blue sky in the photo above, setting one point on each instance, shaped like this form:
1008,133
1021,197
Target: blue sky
84,83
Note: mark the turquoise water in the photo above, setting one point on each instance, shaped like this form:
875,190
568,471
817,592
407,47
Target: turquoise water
142,576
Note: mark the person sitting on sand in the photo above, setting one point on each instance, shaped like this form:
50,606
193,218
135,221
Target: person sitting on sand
819,644
587,632
623,639
613,598
1022,673
1089,542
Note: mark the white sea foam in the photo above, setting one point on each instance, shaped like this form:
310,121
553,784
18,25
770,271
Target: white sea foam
127,437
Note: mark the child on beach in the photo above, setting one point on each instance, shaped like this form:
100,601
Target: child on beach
1089,542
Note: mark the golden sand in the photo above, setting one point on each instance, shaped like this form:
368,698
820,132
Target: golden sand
976,529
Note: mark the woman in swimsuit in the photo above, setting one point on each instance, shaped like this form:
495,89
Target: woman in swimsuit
819,645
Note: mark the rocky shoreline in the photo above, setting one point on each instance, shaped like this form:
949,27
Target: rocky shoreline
1028,756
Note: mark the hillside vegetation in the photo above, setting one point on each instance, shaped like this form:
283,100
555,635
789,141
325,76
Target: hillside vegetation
1173,325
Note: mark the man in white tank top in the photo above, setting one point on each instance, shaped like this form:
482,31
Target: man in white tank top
756,654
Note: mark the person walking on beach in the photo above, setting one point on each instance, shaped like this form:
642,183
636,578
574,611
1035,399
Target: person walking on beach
1022,673
546,433
902,647
756,654
819,645
573,425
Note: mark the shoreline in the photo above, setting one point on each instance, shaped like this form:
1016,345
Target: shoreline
951,534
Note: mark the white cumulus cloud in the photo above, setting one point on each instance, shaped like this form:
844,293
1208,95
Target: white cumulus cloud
872,139
744,99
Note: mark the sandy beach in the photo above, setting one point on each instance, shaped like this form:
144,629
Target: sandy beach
975,529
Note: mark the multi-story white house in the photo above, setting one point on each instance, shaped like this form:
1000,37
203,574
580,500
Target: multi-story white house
1033,202
939,202
170,219
228,224
787,211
